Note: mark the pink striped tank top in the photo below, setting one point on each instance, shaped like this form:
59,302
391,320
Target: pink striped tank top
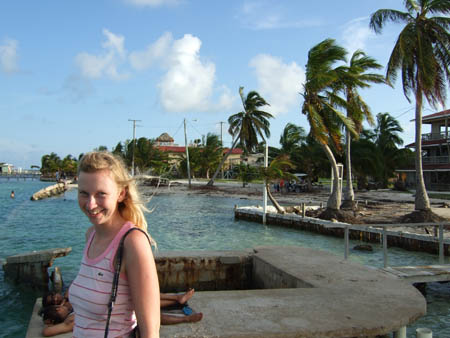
90,292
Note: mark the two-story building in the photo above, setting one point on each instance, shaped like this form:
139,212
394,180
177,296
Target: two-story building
435,154
166,144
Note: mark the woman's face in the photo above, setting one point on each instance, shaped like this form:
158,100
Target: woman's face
98,197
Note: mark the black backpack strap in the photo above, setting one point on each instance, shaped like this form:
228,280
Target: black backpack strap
117,266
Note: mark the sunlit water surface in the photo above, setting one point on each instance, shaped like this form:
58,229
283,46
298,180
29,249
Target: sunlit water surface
178,222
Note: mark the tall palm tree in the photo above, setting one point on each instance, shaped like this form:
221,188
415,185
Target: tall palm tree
247,125
422,54
356,75
323,118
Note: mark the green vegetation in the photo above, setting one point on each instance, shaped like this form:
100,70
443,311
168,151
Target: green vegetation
422,55
247,125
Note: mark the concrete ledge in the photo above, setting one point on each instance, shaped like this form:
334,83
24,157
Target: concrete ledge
325,297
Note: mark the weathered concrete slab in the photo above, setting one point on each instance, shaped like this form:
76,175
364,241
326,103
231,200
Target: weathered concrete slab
346,300
31,267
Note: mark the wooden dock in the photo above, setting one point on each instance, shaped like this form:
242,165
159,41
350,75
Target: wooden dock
420,273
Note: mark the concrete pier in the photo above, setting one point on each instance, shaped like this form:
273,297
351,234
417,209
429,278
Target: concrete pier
286,292
31,267
366,233
53,190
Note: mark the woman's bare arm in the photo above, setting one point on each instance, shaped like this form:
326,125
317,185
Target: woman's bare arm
140,268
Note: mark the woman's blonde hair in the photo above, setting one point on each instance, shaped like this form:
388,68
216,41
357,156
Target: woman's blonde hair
131,208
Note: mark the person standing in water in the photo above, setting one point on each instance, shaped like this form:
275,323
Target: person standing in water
12,194
108,196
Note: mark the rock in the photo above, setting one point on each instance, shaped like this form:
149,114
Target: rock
363,247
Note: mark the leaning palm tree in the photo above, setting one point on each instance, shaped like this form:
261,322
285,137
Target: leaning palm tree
277,169
246,126
324,119
356,75
422,54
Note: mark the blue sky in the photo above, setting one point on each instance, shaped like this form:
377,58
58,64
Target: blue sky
73,72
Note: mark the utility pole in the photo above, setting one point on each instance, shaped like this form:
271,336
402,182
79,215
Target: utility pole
221,139
187,155
134,141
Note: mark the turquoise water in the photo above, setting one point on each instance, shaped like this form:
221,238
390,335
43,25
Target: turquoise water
178,222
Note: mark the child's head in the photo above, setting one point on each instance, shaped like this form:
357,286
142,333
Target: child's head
51,298
55,314
131,208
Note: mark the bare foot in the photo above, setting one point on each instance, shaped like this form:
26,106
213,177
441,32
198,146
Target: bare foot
188,295
195,317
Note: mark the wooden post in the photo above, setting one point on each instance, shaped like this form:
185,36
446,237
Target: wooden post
441,244
385,256
346,242
303,210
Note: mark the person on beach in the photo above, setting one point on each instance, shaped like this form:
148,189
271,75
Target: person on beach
108,196
12,194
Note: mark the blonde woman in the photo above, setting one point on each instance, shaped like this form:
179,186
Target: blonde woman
108,196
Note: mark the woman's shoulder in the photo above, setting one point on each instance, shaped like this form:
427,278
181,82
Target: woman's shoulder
136,238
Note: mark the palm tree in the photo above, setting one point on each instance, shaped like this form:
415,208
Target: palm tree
323,118
247,125
353,77
422,55
292,138
277,169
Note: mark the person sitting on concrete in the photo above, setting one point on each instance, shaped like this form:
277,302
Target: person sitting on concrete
58,314
168,300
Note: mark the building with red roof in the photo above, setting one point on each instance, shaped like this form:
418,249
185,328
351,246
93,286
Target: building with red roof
166,144
435,154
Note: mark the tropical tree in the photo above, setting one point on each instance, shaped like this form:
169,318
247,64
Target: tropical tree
351,78
50,164
212,153
324,119
292,138
247,125
376,154
277,169
247,173
422,54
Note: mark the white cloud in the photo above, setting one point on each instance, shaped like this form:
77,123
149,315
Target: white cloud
279,83
8,56
356,34
188,85
141,60
261,15
105,64
152,3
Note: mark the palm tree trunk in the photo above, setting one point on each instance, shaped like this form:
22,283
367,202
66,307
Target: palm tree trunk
211,181
277,206
349,196
422,201
334,201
